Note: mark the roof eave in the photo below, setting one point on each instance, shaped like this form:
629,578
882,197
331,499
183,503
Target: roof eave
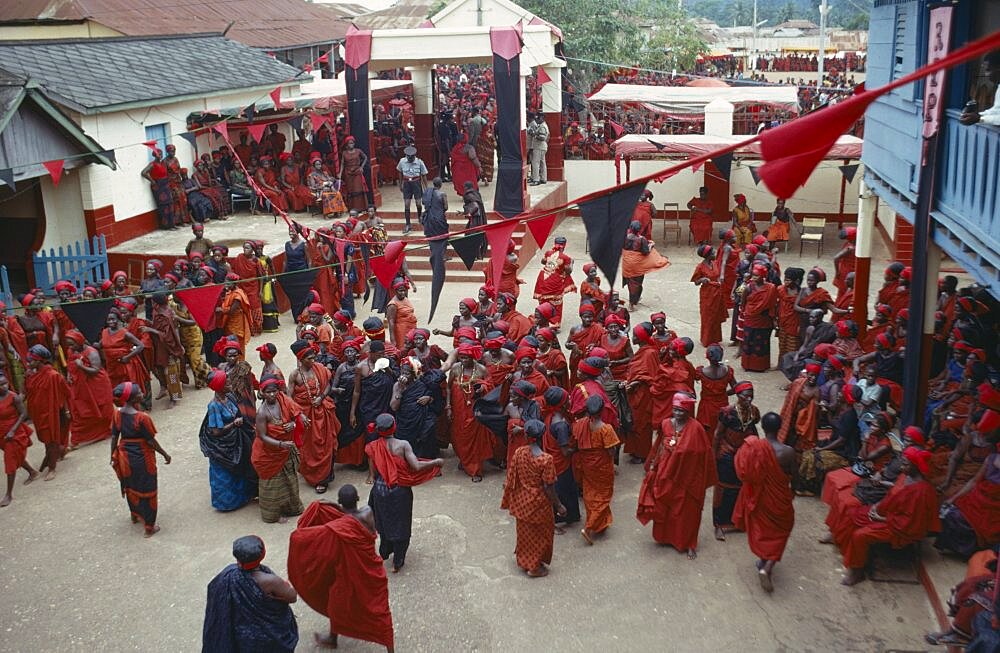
128,106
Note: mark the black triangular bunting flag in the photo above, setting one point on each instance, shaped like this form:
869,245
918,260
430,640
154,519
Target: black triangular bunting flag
849,172
469,248
191,138
724,163
607,218
755,173
7,177
89,317
296,286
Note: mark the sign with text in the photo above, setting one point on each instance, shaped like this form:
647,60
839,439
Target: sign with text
938,44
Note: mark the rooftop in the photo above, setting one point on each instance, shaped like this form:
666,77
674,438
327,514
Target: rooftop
265,24
88,75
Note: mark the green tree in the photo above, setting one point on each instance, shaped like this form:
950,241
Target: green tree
787,12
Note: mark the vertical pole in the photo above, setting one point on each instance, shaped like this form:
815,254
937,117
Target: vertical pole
753,45
823,10
863,255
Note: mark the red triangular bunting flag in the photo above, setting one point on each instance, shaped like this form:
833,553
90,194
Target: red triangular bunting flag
201,302
386,266
55,169
498,236
618,129
792,151
256,131
696,167
543,77
150,144
426,23
222,128
540,228
276,97
317,121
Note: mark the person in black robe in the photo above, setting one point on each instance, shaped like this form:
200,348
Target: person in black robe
376,390
248,607
418,402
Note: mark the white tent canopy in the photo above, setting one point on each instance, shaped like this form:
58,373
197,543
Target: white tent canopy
689,99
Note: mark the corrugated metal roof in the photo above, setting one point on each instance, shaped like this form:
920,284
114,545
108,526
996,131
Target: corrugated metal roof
268,24
404,14
89,74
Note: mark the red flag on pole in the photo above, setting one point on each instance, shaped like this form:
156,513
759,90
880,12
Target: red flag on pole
543,77
150,144
55,169
618,129
317,120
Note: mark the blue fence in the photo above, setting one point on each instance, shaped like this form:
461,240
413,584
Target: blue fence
83,263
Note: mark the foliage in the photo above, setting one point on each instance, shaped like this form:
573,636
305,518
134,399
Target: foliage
644,33
846,14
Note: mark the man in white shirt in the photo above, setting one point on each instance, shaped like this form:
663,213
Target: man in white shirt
990,116
412,177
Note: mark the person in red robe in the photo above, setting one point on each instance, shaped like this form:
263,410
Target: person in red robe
309,385
333,566
701,217
764,507
279,425
582,338
465,166
467,380
554,281
759,310
48,406
676,374
249,268
590,288
550,356
592,442
16,440
530,496
845,260
91,403
642,372
904,516
726,260
716,379
711,302
519,325
297,193
267,183
509,282
679,471
644,213
233,312
393,471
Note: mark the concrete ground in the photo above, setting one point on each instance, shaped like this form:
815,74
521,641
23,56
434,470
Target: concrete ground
78,576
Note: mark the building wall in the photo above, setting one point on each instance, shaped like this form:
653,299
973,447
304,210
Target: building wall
892,123
820,196
83,30
119,202
64,222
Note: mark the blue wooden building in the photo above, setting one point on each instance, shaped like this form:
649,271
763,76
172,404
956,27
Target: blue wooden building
965,214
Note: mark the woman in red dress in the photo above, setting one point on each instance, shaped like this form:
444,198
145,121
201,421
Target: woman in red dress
123,352
716,379
299,196
91,408
582,338
267,180
250,270
465,165
642,372
618,347
712,302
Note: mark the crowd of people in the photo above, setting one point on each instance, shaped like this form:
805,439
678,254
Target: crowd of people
550,399
553,401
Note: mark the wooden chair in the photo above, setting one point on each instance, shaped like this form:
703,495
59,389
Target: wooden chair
812,231
674,223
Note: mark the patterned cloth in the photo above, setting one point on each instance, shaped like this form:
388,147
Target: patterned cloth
279,495
524,496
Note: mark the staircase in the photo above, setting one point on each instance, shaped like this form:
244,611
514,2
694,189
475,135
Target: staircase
418,260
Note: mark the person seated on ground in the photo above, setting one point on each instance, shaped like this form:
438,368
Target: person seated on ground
906,515
970,521
248,606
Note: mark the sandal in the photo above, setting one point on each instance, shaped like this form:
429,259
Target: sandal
586,537
320,489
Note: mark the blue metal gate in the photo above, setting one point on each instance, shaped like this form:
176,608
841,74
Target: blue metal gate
84,263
